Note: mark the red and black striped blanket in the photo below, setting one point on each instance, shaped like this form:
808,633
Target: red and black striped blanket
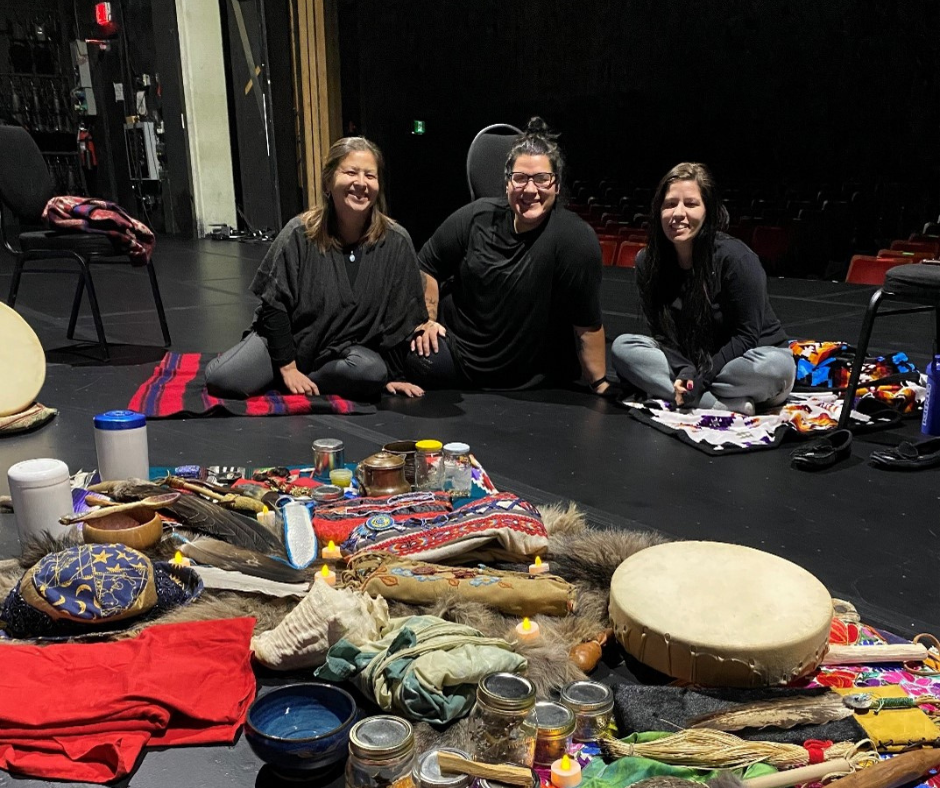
177,387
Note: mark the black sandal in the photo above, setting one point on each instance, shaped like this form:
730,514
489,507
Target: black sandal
908,456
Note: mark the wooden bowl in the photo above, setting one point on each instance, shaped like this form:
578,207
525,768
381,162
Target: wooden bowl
137,528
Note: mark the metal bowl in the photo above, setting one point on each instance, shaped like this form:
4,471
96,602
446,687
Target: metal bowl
301,727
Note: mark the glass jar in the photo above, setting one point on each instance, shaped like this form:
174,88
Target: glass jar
381,753
593,706
458,471
503,725
427,771
555,727
429,465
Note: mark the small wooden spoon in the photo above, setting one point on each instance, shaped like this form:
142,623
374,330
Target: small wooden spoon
108,507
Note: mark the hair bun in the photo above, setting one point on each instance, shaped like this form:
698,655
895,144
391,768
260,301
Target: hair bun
537,127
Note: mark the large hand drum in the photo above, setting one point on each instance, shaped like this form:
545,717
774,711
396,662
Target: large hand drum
720,614
22,363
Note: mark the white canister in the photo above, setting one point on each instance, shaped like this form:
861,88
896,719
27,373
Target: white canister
121,443
41,495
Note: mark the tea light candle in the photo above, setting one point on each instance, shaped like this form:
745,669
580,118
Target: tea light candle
566,772
527,630
266,517
326,575
180,560
538,568
331,552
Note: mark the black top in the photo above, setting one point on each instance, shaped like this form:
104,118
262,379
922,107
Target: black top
514,296
742,317
310,310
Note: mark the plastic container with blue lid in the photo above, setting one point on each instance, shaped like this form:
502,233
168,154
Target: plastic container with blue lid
121,444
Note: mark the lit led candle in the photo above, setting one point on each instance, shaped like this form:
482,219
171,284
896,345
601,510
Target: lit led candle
266,517
331,552
538,567
566,772
326,575
180,560
527,630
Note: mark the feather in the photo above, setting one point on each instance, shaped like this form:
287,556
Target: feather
200,515
783,713
227,580
237,559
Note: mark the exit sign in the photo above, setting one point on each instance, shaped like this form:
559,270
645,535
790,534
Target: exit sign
418,127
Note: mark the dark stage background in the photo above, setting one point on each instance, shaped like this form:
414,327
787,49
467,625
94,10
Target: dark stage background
792,96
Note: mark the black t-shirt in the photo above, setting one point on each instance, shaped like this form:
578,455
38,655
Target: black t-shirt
513,296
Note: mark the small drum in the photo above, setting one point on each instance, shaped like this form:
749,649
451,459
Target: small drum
720,614
23,363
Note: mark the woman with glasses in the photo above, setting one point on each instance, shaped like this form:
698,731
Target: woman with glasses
340,295
716,342
512,285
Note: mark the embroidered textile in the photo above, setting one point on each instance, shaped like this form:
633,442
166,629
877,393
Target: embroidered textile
420,583
496,527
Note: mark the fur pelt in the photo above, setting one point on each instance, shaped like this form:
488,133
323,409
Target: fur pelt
585,557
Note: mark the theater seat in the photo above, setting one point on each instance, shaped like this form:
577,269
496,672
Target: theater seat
626,254
865,270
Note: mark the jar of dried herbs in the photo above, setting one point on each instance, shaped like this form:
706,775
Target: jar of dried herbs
381,753
503,725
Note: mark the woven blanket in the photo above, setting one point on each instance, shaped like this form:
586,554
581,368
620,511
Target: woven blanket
822,367
177,387
100,217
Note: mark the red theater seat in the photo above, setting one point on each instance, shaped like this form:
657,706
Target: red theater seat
626,254
864,270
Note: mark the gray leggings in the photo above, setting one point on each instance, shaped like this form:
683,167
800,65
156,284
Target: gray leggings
763,374
247,369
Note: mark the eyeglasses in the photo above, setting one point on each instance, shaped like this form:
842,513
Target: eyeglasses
542,180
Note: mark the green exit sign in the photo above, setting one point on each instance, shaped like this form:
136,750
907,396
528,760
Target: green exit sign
418,127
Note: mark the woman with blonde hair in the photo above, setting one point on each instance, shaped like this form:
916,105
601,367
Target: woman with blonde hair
340,292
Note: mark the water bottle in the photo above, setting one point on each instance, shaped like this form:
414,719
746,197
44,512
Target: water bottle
930,424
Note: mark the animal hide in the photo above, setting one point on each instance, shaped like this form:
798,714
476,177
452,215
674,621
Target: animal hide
784,713
585,557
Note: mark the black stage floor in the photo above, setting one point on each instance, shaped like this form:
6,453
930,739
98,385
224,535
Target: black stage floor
869,535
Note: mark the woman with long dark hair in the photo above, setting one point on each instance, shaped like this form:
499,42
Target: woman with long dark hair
716,342
340,294
512,285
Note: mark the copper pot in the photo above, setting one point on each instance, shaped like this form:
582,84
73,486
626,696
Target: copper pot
383,474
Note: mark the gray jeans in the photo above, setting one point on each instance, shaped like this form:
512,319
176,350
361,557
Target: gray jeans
763,374
247,369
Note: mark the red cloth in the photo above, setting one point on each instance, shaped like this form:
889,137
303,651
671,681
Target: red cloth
177,387
84,711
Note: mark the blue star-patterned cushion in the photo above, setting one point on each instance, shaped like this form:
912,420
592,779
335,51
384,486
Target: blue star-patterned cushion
91,583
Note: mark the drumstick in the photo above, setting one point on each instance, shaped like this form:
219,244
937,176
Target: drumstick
866,655
894,772
800,775
504,773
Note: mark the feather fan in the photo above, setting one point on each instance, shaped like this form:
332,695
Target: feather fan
783,713
200,515
222,555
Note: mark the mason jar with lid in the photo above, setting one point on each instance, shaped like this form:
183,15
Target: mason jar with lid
555,727
381,753
427,771
593,706
429,465
458,471
503,724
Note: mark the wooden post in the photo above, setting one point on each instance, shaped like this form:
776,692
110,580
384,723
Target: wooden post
317,74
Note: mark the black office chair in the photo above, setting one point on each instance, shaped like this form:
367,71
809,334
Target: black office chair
486,160
25,188
917,283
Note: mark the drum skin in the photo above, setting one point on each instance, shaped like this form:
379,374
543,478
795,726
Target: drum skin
720,614
22,363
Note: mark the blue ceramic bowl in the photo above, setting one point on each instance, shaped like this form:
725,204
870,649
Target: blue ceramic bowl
301,726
